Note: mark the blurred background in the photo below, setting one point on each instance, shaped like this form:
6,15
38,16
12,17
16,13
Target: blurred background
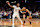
7,12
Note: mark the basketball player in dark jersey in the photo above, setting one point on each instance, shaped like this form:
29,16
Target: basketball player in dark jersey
27,13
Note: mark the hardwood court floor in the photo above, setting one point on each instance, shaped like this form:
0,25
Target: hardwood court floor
8,22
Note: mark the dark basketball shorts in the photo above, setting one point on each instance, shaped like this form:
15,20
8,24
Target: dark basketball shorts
26,14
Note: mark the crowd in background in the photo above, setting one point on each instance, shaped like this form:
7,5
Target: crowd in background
6,11
5,14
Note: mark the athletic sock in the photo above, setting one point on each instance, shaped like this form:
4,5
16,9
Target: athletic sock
24,22
30,22
21,22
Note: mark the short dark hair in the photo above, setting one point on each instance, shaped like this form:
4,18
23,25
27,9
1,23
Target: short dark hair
17,2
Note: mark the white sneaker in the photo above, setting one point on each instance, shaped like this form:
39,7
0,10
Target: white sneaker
12,25
21,25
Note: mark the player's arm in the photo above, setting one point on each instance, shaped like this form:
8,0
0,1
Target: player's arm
28,12
21,10
9,5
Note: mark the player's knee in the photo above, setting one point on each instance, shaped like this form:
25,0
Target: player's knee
27,18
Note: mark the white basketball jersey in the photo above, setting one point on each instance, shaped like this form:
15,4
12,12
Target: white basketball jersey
16,9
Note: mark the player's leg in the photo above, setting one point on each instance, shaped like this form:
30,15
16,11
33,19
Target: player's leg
24,18
29,19
20,20
13,19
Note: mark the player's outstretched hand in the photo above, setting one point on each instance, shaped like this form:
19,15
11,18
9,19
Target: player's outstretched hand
8,2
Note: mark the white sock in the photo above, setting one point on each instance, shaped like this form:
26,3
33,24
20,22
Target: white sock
21,24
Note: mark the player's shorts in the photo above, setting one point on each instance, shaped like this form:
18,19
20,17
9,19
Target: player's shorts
27,15
23,14
23,11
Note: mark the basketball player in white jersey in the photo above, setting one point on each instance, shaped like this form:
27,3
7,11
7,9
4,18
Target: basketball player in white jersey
16,13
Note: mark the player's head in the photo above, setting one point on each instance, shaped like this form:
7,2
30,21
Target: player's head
17,4
24,7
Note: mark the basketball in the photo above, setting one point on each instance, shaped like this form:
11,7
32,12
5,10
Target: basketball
19,13
6,14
